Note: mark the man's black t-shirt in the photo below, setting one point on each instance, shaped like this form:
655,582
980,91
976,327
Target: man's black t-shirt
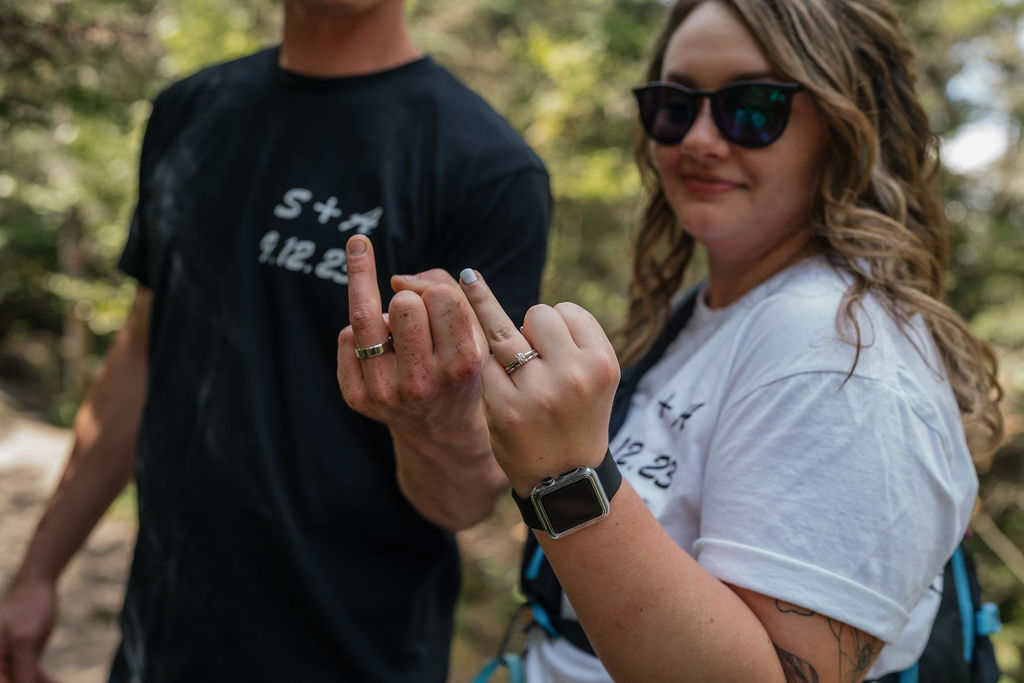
273,542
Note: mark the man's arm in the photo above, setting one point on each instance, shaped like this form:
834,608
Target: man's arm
98,468
426,389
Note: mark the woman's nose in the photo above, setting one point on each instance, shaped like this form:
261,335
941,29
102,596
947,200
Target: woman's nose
704,139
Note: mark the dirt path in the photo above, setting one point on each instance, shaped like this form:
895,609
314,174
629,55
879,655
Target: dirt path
31,457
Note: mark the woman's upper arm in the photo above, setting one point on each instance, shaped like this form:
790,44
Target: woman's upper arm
813,648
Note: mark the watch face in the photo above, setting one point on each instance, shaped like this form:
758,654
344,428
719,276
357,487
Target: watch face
573,504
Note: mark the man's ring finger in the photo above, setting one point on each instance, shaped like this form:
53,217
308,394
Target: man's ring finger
520,359
370,351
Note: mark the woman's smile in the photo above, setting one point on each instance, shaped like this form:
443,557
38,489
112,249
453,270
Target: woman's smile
707,186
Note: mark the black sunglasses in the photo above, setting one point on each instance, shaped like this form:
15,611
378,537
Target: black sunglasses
747,113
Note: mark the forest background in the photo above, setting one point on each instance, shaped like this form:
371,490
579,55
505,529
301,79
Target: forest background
77,77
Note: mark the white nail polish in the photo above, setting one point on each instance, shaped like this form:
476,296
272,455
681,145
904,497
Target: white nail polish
467,276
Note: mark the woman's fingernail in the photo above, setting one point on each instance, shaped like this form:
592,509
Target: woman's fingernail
410,278
468,276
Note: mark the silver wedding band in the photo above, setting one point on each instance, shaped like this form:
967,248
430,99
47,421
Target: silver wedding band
365,352
520,359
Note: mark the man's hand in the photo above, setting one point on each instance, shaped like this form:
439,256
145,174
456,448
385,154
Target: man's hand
27,615
425,387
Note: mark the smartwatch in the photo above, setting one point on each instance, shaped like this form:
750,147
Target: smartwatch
561,505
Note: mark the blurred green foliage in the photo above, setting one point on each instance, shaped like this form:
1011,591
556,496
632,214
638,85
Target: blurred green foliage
561,71
76,78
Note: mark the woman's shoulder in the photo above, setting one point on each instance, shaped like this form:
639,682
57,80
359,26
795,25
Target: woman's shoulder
800,323
806,296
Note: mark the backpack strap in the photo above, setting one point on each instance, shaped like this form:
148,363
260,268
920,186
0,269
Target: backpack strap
909,675
964,602
631,376
507,660
537,578
974,623
984,616
958,648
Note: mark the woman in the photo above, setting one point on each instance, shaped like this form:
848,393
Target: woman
795,468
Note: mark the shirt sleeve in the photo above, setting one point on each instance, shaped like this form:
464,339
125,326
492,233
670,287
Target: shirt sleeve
135,258
841,494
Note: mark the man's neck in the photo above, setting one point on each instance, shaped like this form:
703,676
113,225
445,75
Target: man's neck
325,44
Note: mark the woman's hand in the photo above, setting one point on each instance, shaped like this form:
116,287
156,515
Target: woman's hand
550,415
629,581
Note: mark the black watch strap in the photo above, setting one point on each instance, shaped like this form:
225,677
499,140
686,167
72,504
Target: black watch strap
607,472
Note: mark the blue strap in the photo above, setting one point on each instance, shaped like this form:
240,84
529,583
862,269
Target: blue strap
983,622
509,661
909,675
987,619
963,598
543,621
540,615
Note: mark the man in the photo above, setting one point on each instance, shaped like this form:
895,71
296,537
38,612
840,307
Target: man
282,535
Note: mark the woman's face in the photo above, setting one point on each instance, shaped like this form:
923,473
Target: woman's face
747,206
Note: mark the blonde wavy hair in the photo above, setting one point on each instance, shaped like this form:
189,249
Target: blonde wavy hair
877,215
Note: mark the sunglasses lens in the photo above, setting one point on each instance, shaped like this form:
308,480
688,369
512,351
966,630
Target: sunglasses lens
752,115
666,113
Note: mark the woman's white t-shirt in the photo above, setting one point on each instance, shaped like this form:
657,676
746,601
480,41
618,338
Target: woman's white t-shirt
781,471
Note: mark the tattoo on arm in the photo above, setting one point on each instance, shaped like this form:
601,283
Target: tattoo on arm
787,608
853,664
865,649
797,669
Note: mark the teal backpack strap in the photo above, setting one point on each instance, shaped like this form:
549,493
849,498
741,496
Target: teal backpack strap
983,621
987,620
966,604
540,615
909,675
958,649
509,660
